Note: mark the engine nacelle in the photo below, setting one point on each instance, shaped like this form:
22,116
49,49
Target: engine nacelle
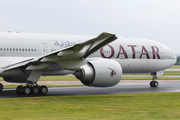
100,73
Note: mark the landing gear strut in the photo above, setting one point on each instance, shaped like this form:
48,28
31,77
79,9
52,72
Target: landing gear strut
1,87
154,83
32,89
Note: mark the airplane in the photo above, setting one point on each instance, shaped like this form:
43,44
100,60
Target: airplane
96,61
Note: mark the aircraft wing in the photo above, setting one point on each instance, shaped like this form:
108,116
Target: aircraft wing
77,51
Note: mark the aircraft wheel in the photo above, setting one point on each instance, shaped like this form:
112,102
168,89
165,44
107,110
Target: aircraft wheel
35,90
151,83
43,90
155,84
19,90
27,90
1,87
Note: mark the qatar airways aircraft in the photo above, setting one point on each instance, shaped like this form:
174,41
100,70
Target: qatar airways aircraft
96,61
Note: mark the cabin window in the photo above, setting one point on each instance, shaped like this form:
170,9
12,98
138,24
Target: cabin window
19,49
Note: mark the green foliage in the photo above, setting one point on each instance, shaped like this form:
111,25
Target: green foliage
141,106
177,63
178,59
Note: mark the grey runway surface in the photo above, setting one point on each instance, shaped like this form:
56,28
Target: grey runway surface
164,86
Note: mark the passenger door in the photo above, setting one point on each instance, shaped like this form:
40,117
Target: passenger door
45,48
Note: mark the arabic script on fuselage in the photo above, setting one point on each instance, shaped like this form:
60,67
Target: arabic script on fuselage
63,44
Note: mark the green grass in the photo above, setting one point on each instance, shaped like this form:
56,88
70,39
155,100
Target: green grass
136,73
149,78
14,86
164,73
55,78
171,72
175,67
58,78
142,106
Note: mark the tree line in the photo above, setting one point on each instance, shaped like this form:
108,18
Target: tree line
178,61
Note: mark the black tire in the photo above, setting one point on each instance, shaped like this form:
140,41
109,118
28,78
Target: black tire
1,87
19,90
151,83
27,90
35,90
43,90
155,84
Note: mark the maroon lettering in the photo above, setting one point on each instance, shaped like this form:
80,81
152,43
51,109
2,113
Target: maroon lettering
133,50
155,52
144,52
121,48
112,52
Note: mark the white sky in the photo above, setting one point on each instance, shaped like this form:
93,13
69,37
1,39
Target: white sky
157,20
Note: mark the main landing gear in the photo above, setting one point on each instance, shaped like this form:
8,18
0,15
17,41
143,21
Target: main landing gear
31,89
154,83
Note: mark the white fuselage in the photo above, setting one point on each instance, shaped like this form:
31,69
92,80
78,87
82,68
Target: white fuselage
135,55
